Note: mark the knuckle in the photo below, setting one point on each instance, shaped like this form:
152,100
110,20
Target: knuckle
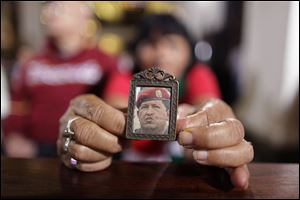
236,128
201,118
98,112
83,97
115,148
243,156
239,128
85,104
78,99
83,132
225,106
119,122
249,152
90,96
221,109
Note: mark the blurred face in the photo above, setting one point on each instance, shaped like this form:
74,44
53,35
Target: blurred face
65,17
153,116
170,52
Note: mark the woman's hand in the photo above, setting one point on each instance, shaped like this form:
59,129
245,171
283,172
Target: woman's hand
98,129
215,137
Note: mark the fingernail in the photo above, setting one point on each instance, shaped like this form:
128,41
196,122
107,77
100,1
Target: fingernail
200,155
186,129
185,138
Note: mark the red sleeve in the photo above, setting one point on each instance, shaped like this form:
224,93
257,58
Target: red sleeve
17,121
118,85
202,82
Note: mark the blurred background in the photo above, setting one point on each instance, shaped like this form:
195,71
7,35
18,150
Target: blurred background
253,48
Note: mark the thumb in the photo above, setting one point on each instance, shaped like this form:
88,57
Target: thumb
185,110
194,120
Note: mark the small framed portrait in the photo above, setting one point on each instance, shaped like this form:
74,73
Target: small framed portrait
152,107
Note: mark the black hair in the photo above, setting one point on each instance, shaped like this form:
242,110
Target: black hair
156,25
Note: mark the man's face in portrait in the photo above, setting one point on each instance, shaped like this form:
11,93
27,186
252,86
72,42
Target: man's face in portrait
153,116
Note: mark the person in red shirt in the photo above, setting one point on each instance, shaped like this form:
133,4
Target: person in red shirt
69,65
164,42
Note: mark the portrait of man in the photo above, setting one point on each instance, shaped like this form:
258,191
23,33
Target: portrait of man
152,110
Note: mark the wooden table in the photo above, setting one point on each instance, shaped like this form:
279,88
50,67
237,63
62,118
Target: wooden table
49,178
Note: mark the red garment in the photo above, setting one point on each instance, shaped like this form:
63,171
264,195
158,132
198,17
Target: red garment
48,82
200,82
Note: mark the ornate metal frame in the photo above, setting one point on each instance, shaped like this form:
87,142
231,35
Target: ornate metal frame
153,77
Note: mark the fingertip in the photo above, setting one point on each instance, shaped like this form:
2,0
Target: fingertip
240,177
185,138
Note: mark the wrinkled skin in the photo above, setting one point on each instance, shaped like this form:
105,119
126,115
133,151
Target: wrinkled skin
209,132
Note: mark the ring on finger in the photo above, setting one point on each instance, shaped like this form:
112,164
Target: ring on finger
66,144
68,132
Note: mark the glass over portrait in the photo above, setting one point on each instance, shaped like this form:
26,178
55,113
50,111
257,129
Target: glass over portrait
152,110
152,107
